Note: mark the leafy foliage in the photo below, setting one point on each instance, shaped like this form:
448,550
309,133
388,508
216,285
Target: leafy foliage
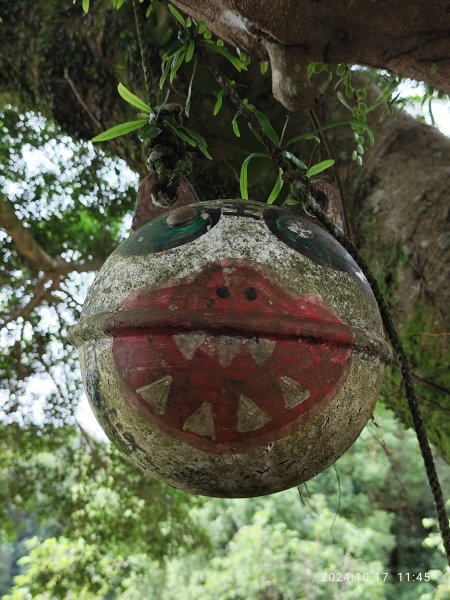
75,201
276,547
192,34
76,519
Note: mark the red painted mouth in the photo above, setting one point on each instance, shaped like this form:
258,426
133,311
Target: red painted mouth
229,297
226,359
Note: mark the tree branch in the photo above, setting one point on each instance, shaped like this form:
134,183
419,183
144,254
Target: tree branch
40,293
30,249
52,270
293,34
80,99
65,267
24,241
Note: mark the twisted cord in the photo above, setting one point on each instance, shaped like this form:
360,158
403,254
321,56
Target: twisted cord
167,158
403,362
150,86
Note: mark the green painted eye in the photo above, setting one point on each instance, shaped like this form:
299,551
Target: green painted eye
311,241
169,231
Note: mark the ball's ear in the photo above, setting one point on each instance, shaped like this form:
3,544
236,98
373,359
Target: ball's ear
148,205
329,201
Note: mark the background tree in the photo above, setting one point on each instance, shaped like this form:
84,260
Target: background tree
63,215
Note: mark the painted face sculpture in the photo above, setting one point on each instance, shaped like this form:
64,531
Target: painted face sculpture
231,349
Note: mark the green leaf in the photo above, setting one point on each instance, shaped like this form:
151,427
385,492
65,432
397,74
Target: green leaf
291,202
243,179
149,10
201,27
190,51
341,70
276,188
235,125
234,60
182,135
133,99
265,124
165,73
218,104
199,140
187,106
294,160
361,94
283,131
264,66
192,138
243,57
310,70
362,107
326,83
119,130
85,5
149,132
319,167
176,13
303,136
343,101
177,61
173,49
353,123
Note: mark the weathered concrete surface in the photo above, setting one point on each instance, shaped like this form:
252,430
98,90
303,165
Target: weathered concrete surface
229,400
406,37
397,203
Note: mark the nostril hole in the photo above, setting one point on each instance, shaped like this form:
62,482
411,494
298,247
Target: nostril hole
223,292
250,293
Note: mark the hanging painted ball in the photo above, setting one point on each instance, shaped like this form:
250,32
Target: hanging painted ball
231,349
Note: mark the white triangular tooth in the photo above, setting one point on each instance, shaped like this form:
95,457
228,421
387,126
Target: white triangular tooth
261,350
201,421
226,348
294,393
250,417
157,393
189,342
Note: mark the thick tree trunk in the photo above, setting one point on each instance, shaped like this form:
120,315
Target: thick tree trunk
409,38
399,210
397,202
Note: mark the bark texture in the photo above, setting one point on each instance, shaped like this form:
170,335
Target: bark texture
52,271
399,211
397,203
409,38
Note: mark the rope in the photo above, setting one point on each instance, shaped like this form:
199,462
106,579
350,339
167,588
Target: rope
305,194
145,54
166,156
403,362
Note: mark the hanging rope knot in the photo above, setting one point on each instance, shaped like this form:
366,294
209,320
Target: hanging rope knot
301,185
168,162
167,157
297,177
